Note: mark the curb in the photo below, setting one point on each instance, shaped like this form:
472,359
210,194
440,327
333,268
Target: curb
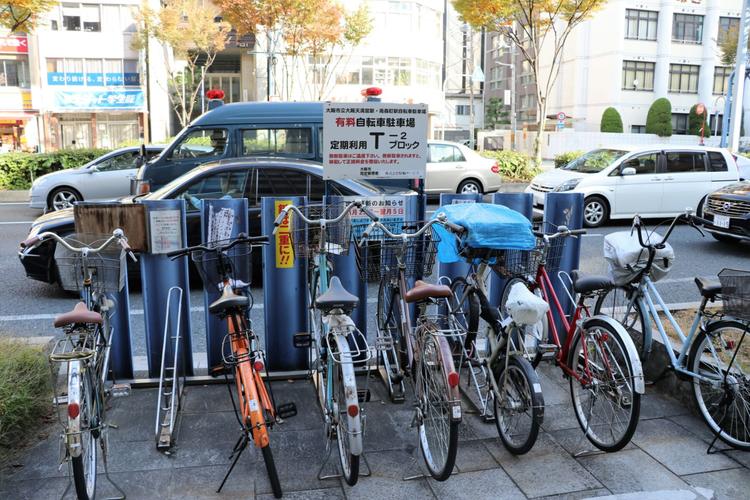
17,196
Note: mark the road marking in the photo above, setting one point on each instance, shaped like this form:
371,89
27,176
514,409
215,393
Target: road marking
14,203
17,222
592,235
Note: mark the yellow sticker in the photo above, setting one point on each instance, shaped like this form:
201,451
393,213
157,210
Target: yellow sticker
284,250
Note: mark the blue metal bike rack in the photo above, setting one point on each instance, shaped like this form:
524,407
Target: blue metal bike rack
284,291
121,352
158,274
456,269
522,203
564,209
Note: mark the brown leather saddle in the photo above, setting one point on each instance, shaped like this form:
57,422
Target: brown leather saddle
79,314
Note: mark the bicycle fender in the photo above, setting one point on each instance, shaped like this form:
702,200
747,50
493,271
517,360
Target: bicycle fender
73,441
632,352
350,393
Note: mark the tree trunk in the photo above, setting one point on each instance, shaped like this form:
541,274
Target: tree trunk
541,123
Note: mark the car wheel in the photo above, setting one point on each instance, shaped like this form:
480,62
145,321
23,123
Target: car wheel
725,239
469,186
595,211
62,198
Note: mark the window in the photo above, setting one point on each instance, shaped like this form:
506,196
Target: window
716,124
124,161
727,25
685,161
90,18
643,164
637,129
716,162
71,13
638,75
687,28
284,141
721,79
203,143
130,72
214,187
679,123
276,182
640,24
463,109
683,78
113,72
442,153
14,73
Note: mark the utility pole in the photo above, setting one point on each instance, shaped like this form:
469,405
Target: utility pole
739,79
471,85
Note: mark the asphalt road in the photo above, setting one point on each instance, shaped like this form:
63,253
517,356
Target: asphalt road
27,307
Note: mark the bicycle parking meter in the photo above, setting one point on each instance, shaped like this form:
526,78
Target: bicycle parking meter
564,209
284,290
221,220
456,269
167,232
522,203
121,353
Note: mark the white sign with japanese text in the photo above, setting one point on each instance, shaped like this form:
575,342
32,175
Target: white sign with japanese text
374,140
165,228
391,211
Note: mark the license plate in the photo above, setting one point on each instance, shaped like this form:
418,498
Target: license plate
721,221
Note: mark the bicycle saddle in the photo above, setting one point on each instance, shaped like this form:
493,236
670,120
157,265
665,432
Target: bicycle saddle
228,300
336,297
422,291
709,289
79,314
589,284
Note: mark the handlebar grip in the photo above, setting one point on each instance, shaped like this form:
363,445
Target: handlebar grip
258,239
454,227
31,242
367,212
577,232
538,234
177,253
280,218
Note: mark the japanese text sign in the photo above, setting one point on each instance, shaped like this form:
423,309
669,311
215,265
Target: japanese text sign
284,250
391,210
374,140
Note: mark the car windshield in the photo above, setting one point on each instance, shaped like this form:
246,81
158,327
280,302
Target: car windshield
594,161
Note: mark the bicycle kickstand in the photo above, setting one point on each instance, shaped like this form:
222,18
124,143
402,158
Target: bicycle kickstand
239,447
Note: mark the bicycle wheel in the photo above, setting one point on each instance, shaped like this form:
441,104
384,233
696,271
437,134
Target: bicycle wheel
438,432
81,391
721,355
389,326
532,335
519,404
619,305
604,399
464,309
345,431
273,476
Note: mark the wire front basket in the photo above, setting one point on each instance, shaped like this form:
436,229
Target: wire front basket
104,269
306,239
233,263
379,256
735,293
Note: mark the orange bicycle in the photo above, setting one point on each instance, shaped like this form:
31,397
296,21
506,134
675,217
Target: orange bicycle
218,264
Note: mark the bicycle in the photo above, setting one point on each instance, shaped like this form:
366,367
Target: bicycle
712,354
423,352
91,266
219,263
335,345
597,355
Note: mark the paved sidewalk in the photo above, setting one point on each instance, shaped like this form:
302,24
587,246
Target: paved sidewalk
666,458
18,196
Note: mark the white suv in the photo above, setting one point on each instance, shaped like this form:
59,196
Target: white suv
653,181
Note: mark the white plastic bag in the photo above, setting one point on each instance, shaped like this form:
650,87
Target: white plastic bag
626,257
524,307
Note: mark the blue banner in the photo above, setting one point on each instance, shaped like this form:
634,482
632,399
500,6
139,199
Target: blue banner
113,79
59,78
99,99
132,79
95,79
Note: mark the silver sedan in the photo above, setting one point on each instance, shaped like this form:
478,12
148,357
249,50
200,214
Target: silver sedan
454,168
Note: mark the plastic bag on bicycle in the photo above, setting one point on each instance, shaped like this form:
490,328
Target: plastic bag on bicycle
626,257
487,226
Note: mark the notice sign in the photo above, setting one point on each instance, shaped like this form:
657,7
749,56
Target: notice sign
390,209
374,140
283,243
165,228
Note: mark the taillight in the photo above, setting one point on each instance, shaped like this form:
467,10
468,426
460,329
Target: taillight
495,168
353,410
74,410
258,365
144,187
453,379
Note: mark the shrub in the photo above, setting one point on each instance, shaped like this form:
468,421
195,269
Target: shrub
18,169
611,121
24,390
513,166
659,118
564,158
695,122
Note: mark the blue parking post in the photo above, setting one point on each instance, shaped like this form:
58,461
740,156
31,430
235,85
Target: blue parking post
158,274
522,203
221,220
564,209
454,270
284,290
121,352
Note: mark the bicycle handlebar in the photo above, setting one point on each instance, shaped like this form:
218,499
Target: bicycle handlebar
562,232
241,238
687,217
319,222
117,235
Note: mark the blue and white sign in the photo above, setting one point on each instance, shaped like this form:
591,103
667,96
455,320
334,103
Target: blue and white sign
99,99
59,78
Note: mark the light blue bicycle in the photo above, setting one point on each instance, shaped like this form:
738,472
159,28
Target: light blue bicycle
715,354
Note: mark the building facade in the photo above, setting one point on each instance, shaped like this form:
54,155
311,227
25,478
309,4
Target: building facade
18,113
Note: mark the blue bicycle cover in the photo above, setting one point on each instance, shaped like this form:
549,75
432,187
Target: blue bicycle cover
487,226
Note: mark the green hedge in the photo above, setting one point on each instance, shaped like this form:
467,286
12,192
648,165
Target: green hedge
513,166
659,118
17,170
564,158
611,121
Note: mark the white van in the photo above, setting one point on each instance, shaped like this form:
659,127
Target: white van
652,181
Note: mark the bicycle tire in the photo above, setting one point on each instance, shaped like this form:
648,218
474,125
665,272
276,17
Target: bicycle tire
432,383
84,465
728,393
389,325
273,475
349,461
528,397
534,331
614,303
630,400
465,312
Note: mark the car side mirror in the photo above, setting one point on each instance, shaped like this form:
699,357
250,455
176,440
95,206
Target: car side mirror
94,169
627,171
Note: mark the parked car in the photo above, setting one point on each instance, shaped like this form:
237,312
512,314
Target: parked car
105,178
652,181
729,210
454,168
252,178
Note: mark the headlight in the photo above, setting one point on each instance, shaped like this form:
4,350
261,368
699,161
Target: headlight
567,185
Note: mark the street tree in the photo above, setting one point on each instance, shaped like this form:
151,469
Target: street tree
195,34
611,121
659,118
495,113
539,29
22,16
696,121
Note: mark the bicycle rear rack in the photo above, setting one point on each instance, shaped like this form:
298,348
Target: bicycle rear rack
171,385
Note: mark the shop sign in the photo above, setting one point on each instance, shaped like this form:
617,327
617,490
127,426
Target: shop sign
14,44
93,79
14,99
98,99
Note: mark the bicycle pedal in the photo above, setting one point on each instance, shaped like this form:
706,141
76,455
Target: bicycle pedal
120,390
286,410
549,351
302,340
218,370
363,395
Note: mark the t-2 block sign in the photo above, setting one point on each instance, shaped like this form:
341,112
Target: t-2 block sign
374,140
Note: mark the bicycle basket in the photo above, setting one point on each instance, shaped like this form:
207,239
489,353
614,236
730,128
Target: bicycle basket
513,263
735,293
104,268
379,256
306,239
235,263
